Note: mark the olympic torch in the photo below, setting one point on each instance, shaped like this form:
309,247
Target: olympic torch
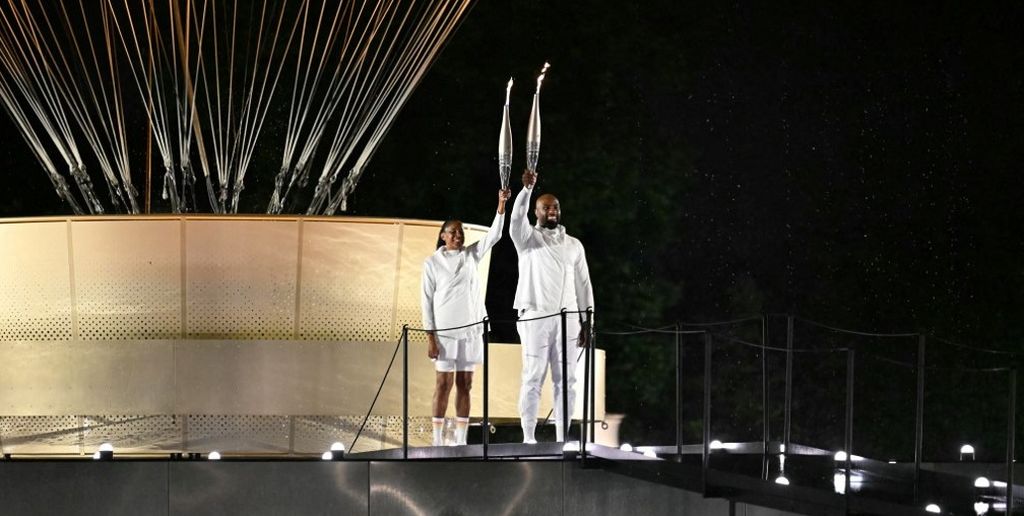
505,142
533,129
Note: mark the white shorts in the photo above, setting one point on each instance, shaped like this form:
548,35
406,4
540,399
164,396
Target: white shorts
458,354
450,366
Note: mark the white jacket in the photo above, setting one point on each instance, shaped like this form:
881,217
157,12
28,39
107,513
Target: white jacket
451,292
553,271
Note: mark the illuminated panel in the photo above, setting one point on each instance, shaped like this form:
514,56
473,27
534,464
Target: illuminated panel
35,283
348,281
127,279
240,277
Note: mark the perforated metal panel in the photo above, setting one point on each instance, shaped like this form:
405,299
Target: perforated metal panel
35,283
348,281
418,243
41,434
84,434
128,279
315,434
240,278
131,433
248,433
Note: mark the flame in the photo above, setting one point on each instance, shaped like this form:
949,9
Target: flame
508,90
543,71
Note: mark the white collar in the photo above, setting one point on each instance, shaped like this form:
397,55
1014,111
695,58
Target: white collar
558,231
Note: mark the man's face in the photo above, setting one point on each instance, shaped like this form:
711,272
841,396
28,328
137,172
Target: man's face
548,211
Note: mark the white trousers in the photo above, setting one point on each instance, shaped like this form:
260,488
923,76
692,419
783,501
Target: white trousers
542,349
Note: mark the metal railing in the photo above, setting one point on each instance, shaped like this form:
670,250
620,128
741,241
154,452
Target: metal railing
709,333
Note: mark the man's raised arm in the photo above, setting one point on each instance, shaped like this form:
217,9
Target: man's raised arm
519,223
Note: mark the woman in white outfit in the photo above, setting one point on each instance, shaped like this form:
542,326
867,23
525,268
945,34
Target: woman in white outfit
452,298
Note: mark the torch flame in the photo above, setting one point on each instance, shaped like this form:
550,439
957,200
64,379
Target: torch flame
543,71
508,90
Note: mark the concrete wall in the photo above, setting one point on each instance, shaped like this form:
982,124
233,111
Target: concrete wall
278,487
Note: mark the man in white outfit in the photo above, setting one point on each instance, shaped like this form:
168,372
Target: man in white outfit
553,275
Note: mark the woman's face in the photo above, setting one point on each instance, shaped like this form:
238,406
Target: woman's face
452,236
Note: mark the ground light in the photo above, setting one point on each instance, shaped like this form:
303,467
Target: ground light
965,451
933,508
337,452
840,456
106,452
214,455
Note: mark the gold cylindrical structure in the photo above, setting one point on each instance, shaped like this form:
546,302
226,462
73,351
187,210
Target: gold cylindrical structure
259,334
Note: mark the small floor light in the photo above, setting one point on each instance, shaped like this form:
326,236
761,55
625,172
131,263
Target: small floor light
337,452
782,481
966,451
981,508
933,508
106,452
626,447
214,455
982,482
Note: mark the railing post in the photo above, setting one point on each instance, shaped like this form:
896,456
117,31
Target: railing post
788,409
919,417
485,426
586,400
851,357
592,343
1011,437
765,424
706,420
566,417
405,391
679,394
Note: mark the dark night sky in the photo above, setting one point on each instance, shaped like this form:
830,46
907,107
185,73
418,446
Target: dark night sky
856,164
853,164
807,151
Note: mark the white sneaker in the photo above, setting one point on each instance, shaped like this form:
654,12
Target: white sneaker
529,441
